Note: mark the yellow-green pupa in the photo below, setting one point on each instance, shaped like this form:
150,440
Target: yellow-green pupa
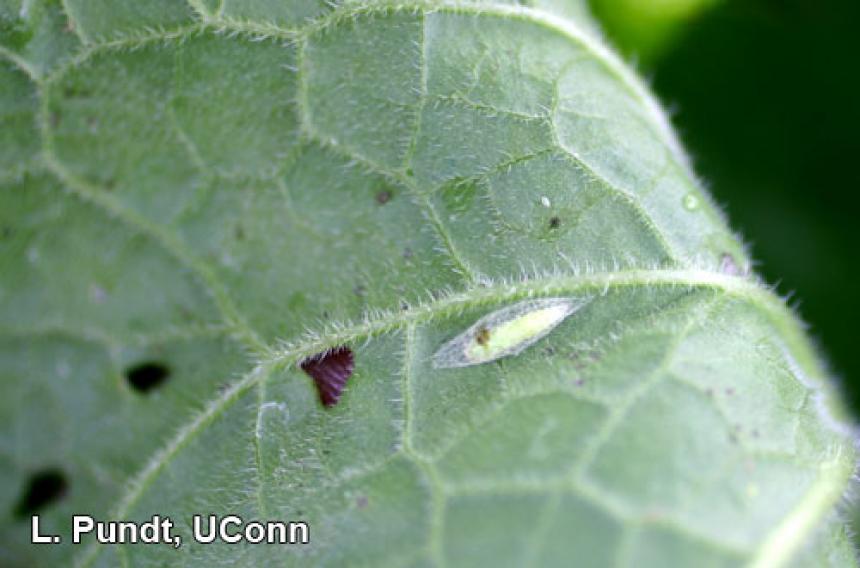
506,332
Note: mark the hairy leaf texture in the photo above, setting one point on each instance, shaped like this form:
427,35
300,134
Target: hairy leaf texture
196,198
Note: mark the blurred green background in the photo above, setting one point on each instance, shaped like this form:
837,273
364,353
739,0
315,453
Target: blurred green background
766,97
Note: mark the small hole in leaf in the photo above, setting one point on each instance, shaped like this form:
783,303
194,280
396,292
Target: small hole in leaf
554,222
147,376
44,488
330,370
383,196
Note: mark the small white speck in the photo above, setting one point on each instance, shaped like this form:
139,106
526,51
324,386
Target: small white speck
62,369
97,294
228,261
544,200
33,255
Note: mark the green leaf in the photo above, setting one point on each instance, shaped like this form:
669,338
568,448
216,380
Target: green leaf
221,196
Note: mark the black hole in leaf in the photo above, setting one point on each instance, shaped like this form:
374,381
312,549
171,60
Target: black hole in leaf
44,488
147,376
330,370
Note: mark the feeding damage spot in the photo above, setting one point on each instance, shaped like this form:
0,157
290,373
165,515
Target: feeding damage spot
506,332
147,376
43,488
383,196
330,370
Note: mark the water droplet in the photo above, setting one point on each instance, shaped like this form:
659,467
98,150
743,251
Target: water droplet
691,202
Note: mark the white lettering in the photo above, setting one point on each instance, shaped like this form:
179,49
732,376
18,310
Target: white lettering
81,524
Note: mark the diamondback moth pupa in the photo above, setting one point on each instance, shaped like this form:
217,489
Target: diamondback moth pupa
506,332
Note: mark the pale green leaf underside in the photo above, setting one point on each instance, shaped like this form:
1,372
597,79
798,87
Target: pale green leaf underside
229,188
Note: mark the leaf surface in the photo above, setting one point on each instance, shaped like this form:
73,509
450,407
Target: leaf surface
224,191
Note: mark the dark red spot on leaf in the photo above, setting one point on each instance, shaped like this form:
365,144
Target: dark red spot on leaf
330,370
